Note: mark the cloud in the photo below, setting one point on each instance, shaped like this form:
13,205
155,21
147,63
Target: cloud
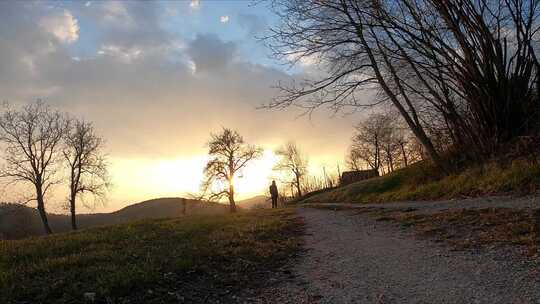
195,4
130,25
63,26
116,13
152,94
209,53
224,19
303,61
126,55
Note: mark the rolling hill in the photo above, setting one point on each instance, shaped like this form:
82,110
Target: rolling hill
260,201
18,221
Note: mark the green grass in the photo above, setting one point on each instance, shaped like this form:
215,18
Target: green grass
420,182
154,261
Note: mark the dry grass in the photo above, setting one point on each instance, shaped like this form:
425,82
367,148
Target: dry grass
472,228
420,182
192,259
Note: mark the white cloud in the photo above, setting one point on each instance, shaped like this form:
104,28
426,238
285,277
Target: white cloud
88,3
116,13
127,55
304,61
224,19
195,4
63,26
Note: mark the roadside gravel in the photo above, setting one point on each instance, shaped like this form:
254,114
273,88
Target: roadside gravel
355,259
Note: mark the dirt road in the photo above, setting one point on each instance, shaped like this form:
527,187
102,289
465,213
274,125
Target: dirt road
354,259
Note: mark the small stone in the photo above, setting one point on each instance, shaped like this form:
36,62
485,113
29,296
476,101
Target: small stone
90,296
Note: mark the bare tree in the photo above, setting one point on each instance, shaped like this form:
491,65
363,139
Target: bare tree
469,67
381,142
293,163
32,139
354,159
367,142
86,163
229,154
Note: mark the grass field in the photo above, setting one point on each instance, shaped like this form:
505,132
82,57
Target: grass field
193,259
420,182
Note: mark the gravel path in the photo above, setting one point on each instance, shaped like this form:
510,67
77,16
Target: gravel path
523,202
354,259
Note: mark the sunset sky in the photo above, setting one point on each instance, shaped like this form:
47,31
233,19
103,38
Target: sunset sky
156,78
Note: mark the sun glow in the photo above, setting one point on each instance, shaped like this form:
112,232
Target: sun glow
255,178
137,179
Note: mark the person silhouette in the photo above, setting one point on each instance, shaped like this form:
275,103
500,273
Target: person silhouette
274,194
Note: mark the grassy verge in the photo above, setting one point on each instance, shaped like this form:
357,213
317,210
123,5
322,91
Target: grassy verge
478,228
419,182
463,229
197,259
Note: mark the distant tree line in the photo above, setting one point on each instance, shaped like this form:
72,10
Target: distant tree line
292,168
463,75
383,143
44,148
294,164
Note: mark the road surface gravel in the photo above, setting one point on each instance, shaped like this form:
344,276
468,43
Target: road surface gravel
351,258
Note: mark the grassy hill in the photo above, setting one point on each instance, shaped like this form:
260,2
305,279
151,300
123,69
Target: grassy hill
422,182
259,201
17,221
196,259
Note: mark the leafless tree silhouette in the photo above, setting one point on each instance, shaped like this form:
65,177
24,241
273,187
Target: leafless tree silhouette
229,154
32,139
381,142
470,67
292,162
86,163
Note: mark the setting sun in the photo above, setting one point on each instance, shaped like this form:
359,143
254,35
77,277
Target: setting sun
256,178
136,179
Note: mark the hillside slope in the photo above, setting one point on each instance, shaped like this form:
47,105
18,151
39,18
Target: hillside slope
17,221
259,201
422,182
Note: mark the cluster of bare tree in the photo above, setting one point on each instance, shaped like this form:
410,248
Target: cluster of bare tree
384,144
44,148
326,180
294,164
462,74
295,176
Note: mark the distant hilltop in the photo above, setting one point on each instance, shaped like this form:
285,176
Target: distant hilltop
19,221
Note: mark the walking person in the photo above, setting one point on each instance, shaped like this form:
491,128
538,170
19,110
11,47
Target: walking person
274,194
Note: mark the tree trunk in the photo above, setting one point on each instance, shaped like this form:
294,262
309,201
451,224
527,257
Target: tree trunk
41,211
390,160
298,186
73,213
413,124
184,203
405,160
232,204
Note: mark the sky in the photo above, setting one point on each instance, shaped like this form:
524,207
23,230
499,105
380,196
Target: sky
156,78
